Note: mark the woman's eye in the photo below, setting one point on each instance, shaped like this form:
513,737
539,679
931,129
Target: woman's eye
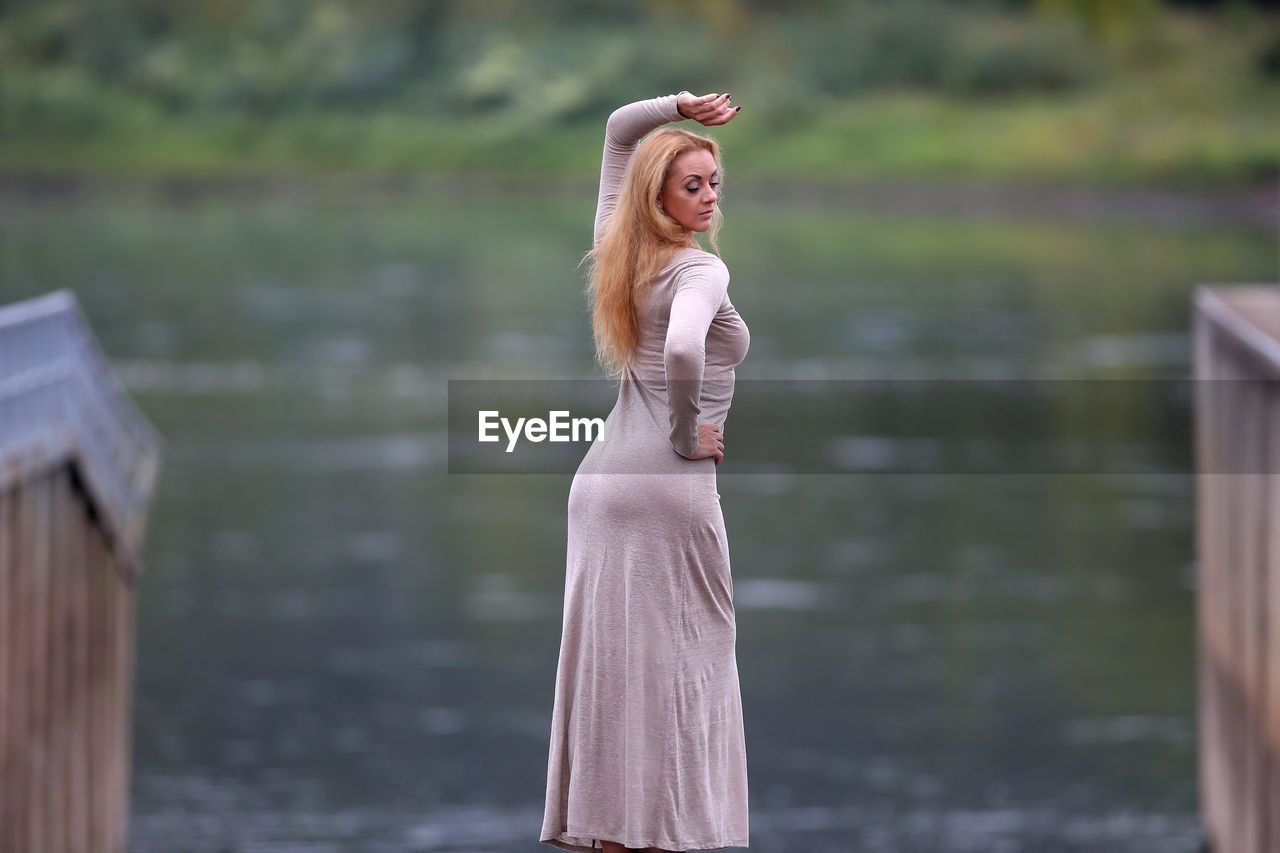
692,189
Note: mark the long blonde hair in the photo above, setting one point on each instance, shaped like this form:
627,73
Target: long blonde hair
638,240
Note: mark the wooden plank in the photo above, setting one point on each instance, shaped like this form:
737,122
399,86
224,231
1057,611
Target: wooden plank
1209,519
1205,408
1212,591
38,711
7,610
1270,604
78,580
1217,635
111,681
124,707
1250,569
98,696
1230,605
57,792
19,810
62,791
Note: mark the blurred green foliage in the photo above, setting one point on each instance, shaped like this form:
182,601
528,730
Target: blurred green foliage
570,57
1110,20
445,84
948,48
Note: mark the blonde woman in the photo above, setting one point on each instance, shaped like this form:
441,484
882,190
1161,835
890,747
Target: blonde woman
647,744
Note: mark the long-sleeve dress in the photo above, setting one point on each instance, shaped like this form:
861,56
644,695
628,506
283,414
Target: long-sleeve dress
647,742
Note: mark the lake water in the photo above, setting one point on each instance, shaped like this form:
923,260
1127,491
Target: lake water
344,647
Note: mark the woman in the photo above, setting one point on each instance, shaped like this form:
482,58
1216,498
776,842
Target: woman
647,744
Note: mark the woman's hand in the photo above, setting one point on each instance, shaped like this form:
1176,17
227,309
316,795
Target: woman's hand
706,109
710,442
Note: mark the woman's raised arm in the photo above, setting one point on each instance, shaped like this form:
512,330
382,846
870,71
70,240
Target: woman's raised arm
627,125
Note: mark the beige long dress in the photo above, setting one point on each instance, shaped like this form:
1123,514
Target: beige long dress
647,742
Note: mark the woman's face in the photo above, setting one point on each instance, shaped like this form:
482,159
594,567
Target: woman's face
689,194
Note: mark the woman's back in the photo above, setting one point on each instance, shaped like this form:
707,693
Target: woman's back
674,357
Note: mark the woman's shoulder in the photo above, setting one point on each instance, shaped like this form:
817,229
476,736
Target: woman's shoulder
699,270
693,258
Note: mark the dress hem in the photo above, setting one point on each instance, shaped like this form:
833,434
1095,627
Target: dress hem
573,841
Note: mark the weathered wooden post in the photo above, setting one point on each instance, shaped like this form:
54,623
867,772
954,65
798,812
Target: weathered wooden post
77,466
1237,426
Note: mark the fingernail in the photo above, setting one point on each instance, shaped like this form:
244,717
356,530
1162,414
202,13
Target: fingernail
738,108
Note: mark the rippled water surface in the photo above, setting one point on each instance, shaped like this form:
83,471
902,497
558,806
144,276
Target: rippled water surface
343,647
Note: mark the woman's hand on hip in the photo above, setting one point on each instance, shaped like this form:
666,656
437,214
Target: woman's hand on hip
707,109
710,442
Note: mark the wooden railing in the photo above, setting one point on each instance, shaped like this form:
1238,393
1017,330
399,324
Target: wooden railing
1237,421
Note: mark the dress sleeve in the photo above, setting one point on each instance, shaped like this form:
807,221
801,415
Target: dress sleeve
699,292
627,125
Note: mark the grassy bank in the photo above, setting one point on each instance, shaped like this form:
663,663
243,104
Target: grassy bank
1189,102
